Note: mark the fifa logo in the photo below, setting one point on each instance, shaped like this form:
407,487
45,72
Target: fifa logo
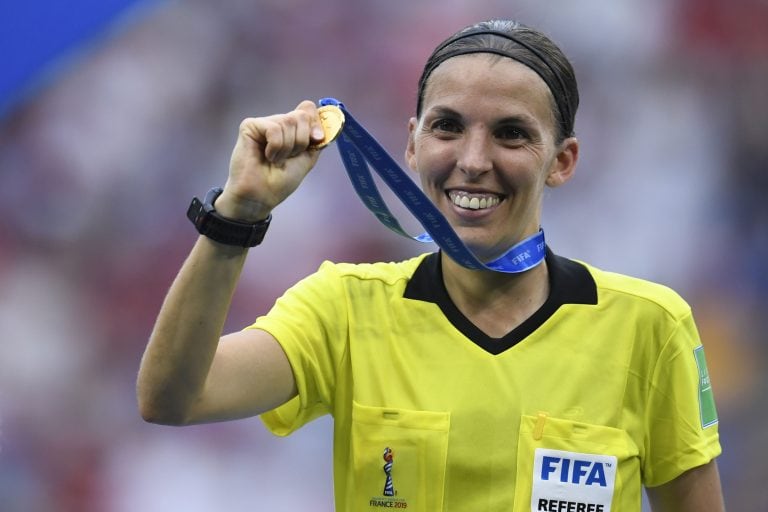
575,471
389,488
389,499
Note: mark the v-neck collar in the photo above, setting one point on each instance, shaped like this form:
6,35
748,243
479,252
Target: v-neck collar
570,283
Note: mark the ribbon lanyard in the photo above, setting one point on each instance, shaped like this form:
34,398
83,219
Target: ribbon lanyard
358,149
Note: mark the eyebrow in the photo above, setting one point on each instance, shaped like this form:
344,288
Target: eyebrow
440,111
518,119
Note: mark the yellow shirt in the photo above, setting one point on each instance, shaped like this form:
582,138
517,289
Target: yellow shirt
602,390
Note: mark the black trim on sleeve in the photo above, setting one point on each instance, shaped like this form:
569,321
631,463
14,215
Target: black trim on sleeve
570,283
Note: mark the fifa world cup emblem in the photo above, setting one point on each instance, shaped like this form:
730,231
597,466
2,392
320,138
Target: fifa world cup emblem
389,488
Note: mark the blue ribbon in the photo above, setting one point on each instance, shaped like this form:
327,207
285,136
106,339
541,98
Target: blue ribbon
358,149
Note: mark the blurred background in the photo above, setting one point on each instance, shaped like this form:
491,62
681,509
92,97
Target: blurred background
114,113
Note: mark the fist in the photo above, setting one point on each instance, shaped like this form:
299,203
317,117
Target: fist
271,157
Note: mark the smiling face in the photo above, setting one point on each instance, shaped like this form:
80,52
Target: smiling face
485,147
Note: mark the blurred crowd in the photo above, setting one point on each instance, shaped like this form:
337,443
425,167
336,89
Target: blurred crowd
99,165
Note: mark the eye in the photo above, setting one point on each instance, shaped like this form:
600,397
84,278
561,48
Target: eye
511,133
446,125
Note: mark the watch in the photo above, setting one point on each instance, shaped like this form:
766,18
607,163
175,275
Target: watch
220,229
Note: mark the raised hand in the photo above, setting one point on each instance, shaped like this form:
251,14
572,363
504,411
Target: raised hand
271,157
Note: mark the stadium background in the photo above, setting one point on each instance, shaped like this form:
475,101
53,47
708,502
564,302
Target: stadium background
114,113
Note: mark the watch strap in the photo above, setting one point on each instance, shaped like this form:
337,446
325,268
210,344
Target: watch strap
209,223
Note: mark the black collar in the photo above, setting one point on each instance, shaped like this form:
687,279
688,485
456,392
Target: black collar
569,283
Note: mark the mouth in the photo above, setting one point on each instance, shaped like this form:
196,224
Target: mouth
473,201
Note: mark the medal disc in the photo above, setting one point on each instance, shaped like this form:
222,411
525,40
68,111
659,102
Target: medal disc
332,120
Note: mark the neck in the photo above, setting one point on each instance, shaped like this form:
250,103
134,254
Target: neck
495,302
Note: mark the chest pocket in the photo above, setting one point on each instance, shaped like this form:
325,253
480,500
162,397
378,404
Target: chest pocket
574,466
398,459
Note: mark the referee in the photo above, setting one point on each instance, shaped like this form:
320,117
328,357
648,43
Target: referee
557,387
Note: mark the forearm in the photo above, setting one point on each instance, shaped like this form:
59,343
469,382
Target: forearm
183,342
176,383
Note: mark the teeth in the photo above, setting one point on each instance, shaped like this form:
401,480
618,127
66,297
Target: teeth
473,203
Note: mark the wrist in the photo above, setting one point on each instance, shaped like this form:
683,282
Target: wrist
234,209
212,224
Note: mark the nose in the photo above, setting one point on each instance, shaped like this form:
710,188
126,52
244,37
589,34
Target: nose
474,156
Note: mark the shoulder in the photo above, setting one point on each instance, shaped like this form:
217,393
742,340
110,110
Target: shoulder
381,272
614,287
332,280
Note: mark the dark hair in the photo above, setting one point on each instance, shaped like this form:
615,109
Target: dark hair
524,44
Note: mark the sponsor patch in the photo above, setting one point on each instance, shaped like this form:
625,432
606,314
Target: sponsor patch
572,482
707,409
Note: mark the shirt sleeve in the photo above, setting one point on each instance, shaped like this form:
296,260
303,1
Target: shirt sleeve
309,322
681,420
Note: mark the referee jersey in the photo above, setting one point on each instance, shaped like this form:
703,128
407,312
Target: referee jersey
604,389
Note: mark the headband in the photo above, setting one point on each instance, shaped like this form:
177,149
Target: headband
558,88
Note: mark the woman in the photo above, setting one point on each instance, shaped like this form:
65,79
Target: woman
562,387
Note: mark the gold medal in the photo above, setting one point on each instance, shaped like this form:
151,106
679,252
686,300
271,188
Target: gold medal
332,120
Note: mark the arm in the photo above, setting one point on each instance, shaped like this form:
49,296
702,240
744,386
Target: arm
696,490
188,374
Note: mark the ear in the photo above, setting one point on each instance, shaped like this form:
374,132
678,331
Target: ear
410,149
564,165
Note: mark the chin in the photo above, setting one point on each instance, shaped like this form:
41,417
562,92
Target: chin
483,250
487,250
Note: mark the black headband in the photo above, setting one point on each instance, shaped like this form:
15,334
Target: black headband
558,89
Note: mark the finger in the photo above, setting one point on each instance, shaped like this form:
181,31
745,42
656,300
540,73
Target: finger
288,126
316,133
296,127
302,133
263,132
273,134
251,128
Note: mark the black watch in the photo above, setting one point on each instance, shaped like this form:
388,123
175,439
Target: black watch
220,229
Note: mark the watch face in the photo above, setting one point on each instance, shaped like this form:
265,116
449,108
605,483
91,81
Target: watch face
210,197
